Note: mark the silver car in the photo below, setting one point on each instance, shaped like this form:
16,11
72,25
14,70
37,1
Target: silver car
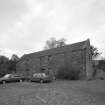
10,78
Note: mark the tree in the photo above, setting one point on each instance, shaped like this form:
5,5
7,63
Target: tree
61,42
3,59
101,64
8,66
14,57
12,63
53,43
3,65
94,51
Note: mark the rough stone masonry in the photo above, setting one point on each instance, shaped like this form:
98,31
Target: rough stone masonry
75,56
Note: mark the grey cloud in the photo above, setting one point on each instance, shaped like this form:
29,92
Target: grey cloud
41,19
10,10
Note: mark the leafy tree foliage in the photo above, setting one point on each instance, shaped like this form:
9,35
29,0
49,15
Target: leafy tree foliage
3,65
53,43
14,57
101,65
8,66
3,59
94,51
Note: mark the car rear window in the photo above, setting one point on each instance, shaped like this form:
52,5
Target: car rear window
39,75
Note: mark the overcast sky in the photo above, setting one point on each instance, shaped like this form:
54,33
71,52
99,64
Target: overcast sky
25,25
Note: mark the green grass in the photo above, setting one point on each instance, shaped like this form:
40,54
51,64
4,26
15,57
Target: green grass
55,93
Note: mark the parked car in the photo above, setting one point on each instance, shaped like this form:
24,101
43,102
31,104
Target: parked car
11,78
41,77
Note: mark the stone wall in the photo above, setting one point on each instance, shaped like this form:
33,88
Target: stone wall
71,56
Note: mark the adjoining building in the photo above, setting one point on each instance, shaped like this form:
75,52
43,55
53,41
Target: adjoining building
74,56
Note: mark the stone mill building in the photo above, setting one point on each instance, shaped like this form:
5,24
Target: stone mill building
75,56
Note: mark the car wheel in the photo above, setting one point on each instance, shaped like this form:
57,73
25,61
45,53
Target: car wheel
3,82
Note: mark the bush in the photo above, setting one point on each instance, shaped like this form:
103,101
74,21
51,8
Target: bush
68,73
101,65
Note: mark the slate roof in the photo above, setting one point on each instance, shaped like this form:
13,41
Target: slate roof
70,47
